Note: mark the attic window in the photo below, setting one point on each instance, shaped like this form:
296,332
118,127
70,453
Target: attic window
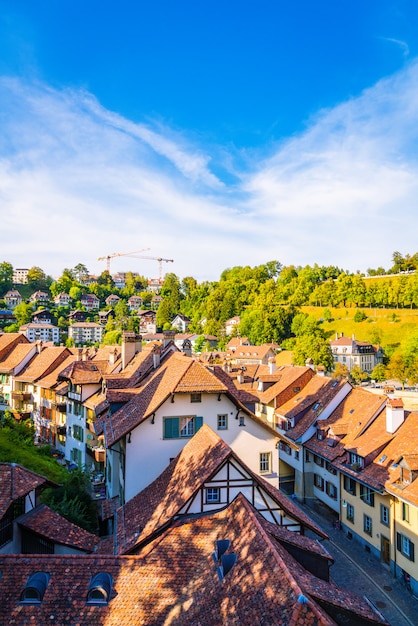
382,458
195,397
351,411
35,588
316,406
100,589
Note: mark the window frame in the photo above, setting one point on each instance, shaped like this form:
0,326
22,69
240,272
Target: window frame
367,525
401,542
350,485
405,512
350,513
223,416
319,482
265,465
367,495
214,491
196,397
384,512
176,430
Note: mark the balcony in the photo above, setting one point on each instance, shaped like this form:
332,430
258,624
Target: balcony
21,396
62,407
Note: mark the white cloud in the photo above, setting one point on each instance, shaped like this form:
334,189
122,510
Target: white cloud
78,182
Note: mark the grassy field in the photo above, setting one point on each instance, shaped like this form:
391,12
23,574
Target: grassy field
395,325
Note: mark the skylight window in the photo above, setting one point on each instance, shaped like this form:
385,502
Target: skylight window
35,588
100,589
382,458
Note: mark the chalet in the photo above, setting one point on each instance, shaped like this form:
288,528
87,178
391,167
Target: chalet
134,303
181,322
42,316
112,300
90,302
39,297
12,298
77,316
63,299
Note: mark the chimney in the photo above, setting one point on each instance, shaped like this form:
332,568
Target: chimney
336,335
128,347
395,414
156,357
272,365
79,354
112,356
309,363
168,336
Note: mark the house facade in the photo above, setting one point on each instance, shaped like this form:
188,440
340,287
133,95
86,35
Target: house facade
351,353
41,332
85,332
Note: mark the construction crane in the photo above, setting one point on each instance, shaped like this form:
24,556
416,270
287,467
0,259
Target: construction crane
154,258
112,256
136,256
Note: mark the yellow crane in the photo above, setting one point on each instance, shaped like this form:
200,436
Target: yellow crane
112,256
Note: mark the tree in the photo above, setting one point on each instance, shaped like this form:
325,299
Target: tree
398,369
357,375
6,277
340,371
23,313
37,278
313,347
359,316
379,373
80,271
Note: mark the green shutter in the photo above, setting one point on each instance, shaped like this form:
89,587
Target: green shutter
171,428
198,421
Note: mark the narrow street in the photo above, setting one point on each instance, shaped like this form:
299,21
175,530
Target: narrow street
357,571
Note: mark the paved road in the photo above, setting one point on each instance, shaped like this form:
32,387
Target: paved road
356,570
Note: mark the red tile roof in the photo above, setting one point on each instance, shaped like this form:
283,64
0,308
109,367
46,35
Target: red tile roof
46,522
174,581
15,482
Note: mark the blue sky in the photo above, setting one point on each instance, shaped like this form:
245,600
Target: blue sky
212,133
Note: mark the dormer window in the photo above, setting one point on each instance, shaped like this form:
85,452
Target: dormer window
355,460
35,588
100,589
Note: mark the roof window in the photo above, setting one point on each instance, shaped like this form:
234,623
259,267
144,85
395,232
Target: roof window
224,561
35,588
100,589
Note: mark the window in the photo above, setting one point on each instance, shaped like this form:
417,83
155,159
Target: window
356,460
330,469
350,513
405,512
178,427
405,546
367,525
76,455
319,461
35,587
213,494
331,490
100,589
285,448
367,495
78,432
350,485
265,462
195,397
384,514
307,456
319,482
297,455
222,422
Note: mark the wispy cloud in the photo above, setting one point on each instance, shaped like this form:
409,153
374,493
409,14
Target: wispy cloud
402,44
78,181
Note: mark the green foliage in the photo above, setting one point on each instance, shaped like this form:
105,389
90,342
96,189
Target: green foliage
112,338
379,373
6,277
23,313
72,500
357,375
359,316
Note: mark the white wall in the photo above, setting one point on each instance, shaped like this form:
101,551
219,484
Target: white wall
149,453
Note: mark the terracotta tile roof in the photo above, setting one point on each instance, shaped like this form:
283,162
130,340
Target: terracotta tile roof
82,373
174,581
16,355
198,378
235,390
15,482
51,380
161,501
287,376
46,522
152,393
43,364
318,392
9,340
